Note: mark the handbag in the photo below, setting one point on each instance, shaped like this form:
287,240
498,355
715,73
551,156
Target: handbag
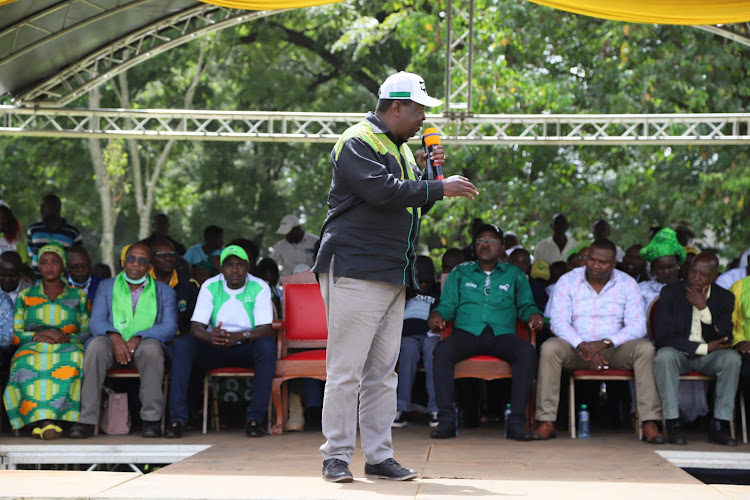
115,417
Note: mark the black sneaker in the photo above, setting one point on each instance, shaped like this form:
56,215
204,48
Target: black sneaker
400,420
175,429
718,433
336,471
389,469
434,422
254,429
81,431
151,429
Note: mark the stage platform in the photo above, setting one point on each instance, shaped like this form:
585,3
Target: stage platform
479,463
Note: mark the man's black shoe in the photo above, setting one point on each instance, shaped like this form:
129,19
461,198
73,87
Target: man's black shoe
718,433
175,429
336,471
151,429
675,435
254,429
519,434
443,432
81,431
389,469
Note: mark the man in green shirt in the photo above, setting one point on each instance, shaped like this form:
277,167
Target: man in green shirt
483,298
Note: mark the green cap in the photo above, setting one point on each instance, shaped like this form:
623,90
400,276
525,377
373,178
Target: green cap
235,250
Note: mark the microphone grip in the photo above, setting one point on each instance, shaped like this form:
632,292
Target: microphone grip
439,171
428,166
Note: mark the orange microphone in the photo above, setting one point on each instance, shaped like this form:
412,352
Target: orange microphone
430,139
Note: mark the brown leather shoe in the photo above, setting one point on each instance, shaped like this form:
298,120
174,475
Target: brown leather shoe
544,430
651,433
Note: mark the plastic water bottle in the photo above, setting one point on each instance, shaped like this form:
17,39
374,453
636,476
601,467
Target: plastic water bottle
603,391
584,425
507,417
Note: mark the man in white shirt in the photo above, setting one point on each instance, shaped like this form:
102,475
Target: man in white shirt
559,245
231,326
294,254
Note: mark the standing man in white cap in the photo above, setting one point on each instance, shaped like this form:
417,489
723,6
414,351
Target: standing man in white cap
365,265
295,252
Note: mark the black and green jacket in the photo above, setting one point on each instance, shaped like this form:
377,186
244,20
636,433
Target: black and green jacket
375,203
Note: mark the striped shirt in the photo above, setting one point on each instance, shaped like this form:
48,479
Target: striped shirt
39,234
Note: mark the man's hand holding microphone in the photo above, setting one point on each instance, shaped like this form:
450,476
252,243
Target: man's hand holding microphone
432,160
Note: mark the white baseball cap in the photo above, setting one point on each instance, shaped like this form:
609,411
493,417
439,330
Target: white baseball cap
288,223
409,86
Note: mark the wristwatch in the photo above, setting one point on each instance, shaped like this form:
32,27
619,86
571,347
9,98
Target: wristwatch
608,342
248,333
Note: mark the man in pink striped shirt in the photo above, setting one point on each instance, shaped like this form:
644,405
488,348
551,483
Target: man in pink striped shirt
599,322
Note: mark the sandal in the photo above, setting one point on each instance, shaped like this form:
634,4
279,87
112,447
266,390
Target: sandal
49,431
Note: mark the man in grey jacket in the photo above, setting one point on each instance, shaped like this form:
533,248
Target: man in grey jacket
365,264
132,318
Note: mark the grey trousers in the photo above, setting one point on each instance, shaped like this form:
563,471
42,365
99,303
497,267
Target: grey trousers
365,319
636,355
148,360
723,364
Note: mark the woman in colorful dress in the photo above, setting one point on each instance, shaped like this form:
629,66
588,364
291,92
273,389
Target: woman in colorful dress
45,377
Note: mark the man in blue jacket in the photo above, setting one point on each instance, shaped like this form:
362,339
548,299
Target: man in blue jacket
365,263
132,319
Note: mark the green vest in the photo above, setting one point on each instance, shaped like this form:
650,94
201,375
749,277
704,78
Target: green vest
384,145
246,297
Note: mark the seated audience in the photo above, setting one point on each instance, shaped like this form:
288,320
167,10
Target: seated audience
559,245
132,319
741,335
295,252
418,341
521,258
45,376
11,235
511,243
693,332
451,258
268,271
79,272
231,326
10,275
633,264
51,229
206,255
164,269
468,250
730,277
6,327
601,229
101,270
577,258
685,236
161,232
252,251
483,298
598,319
666,255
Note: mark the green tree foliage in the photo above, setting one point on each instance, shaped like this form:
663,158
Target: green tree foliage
528,59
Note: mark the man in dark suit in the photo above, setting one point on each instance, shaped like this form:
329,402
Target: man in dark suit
693,330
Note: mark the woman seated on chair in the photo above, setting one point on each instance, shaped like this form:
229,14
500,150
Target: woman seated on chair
45,376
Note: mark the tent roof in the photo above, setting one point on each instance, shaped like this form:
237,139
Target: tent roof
29,29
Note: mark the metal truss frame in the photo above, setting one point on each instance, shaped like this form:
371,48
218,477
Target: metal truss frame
589,130
96,68
459,58
734,32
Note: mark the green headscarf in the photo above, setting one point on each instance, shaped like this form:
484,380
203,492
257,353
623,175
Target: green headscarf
664,243
57,250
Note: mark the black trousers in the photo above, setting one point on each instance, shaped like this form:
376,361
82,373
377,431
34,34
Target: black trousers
461,345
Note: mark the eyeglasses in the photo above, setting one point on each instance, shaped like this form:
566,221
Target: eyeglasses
142,261
166,255
78,267
491,242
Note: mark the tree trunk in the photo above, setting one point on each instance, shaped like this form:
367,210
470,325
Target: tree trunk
109,214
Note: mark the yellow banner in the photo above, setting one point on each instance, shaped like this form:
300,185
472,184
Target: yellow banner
689,12
269,4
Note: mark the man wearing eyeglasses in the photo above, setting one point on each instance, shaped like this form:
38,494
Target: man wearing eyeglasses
79,272
132,319
164,269
483,298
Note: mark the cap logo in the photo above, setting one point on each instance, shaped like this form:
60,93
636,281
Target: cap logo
399,94
422,86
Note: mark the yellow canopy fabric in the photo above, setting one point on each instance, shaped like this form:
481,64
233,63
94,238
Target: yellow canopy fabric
686,12
269,4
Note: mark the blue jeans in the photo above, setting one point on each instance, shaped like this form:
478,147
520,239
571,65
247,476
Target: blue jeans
259,354
412,348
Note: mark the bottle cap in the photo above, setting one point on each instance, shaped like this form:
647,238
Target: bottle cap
583,407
